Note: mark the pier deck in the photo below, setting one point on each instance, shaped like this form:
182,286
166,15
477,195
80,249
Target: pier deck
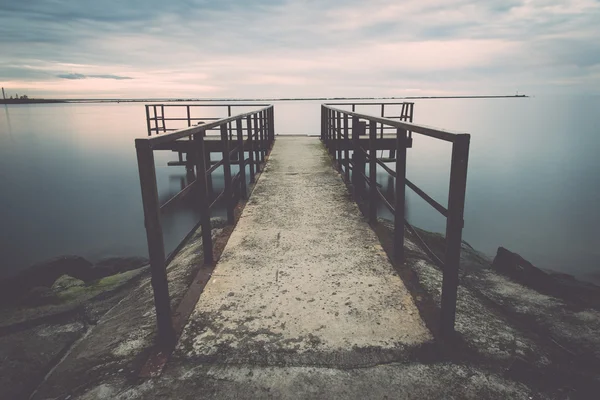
303,278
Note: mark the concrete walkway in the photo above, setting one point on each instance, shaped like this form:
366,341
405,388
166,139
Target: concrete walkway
304,304
303,279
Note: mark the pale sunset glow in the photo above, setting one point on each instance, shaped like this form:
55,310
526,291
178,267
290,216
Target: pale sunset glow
292,48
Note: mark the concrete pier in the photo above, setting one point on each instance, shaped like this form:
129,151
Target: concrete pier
304,304
303,278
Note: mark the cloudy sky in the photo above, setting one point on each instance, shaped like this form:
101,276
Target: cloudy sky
292,48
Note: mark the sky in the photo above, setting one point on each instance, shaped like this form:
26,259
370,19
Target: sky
298,48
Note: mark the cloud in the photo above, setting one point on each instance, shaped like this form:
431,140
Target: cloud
291,48
72,76
82,76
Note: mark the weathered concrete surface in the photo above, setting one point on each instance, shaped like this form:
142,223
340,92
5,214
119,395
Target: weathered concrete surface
390,381
303,279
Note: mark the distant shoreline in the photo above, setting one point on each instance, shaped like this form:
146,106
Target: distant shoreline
31,101
37,101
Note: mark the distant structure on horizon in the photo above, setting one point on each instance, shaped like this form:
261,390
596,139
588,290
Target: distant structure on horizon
3,94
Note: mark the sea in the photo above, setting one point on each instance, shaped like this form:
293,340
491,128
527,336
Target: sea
69,181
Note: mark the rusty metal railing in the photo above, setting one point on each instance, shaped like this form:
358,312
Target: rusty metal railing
345,131
259,137
157,120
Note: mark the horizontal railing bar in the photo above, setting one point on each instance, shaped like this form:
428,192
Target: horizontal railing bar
210,105
235,178
219,197
181,193
187,119
235,150
427,198
214,166
156,140
421,129
365,177
367,104
386,202
388,169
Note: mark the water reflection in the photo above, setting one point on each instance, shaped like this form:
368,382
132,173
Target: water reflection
70,184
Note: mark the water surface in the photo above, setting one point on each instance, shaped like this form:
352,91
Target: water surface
69,183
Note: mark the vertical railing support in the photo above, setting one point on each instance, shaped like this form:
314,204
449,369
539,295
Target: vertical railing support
339,136
241,158
346,150
250,147
454,226
323,122
228,193
256,143
271,126
400,195
156,248
372,172
148,120
263,136
334,128
358,160
330,129
204,195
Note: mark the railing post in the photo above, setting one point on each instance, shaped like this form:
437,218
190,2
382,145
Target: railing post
271,126
256,143
227,174
400,195
204,194
189,119
334,128
358,160
347,150
148,120
372,172
454,225
250,147
329,130
339,139
263,136
154,236
155,120
323,121
242,164
207,163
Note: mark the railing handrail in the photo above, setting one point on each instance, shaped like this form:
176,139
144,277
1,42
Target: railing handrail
192,130
368,104
210,105
437,133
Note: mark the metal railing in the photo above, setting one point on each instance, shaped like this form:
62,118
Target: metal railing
345,131
156,115
259,138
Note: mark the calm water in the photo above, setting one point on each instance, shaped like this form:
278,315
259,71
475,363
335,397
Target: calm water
69,184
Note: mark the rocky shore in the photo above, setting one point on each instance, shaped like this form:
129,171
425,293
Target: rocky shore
83,331
46,309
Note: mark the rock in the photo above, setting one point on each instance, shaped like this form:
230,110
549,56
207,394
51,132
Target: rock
116,265
66,282
28,355
516,267
44,274
39,295
218,222
556,284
